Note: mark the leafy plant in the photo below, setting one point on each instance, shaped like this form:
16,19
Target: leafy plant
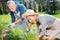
2,27
21,34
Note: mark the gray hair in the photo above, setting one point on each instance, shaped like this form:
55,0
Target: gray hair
8,2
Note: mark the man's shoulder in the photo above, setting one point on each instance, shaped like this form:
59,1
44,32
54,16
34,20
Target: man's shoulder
20,5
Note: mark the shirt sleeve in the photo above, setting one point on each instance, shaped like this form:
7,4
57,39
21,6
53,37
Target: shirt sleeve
43,28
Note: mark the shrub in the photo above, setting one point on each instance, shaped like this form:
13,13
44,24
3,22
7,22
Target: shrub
21,34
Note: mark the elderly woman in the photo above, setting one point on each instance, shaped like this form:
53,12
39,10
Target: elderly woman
48,26
16,12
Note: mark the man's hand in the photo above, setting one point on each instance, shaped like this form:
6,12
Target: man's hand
11,25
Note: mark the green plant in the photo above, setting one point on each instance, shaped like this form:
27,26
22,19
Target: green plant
2,28
21,34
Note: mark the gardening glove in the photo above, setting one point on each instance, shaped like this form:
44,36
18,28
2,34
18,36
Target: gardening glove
11,25
31,29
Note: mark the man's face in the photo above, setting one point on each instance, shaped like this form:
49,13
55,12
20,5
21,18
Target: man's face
12,7
32,19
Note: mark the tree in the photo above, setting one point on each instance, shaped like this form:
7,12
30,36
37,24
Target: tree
3,7
51,6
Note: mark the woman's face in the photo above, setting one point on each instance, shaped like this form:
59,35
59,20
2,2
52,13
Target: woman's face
12,7
32,19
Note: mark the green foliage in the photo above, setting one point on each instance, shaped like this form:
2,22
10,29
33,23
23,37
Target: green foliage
1,8
3,24
2,28
5,9
19,34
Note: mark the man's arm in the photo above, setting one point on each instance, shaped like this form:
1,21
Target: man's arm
12,17
22,9
18,21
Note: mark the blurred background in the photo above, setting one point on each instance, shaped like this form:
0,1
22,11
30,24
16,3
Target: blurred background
48,6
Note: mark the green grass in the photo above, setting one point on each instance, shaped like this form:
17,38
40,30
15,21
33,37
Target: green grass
57,15
4,21
5,18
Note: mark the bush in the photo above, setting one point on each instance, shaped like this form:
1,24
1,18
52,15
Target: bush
2,28
20,34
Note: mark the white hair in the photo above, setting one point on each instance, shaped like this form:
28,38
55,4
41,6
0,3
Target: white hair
8,2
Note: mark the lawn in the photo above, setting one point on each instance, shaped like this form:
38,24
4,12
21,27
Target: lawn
5,18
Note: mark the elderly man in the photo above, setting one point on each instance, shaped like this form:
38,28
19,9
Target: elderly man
48,26
16,12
